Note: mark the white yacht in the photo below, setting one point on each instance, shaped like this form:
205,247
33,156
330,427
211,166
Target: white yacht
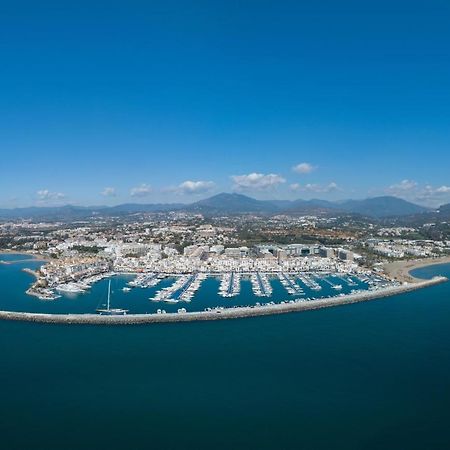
111,311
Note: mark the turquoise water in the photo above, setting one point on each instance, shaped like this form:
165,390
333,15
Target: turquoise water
373,375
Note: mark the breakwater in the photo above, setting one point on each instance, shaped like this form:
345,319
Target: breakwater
219,313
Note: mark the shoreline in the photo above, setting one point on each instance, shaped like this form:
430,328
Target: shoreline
218,314
401,270
33,256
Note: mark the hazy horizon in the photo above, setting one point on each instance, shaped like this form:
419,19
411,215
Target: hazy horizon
186,202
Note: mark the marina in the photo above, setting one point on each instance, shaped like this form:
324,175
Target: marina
205,291
291,286
71,288
108,310
333,285
225,225
139,294
393,329
146,280
309,281
182,290
230,284
346,279
261,284
220,313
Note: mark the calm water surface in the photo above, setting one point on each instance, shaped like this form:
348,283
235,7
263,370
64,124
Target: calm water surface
374,375
15,282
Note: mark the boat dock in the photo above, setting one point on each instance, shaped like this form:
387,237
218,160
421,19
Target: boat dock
221,313
346,279
146,280
289,284
260,284
230,284
333,286
309,282
182,290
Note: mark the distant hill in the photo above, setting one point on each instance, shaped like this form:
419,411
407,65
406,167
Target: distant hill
386,206
233,204
242,204
67,212
230,204
133,208
443,213
372,207
70,212
444,209
311,206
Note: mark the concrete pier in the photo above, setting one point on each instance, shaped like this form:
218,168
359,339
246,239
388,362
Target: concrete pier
218,314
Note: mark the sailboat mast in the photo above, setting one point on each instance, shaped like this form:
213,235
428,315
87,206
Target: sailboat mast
109,293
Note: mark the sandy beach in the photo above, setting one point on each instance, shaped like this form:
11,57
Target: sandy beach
400,270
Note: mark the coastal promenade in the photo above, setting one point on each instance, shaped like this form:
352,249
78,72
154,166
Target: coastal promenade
219,314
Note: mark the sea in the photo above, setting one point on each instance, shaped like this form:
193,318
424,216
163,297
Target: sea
372,375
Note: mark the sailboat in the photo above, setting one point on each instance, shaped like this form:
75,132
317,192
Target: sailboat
111,311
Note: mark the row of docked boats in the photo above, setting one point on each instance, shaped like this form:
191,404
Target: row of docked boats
289,284
309,281
230,284
78,287
347,280
185,286
182,290
145,280
261,285
191,287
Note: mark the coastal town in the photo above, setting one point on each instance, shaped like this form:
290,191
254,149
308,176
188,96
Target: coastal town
304,253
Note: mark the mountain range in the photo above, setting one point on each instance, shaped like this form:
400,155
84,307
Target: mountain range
376,207
233,204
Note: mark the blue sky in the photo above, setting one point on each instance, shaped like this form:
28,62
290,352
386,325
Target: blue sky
111,102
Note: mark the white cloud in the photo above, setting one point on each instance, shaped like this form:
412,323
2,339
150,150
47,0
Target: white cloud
109,192
433,195
44,195
333,186
414,192
141,191
196,187
402,187
304,168
315,188
443,190
190,187
256,181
